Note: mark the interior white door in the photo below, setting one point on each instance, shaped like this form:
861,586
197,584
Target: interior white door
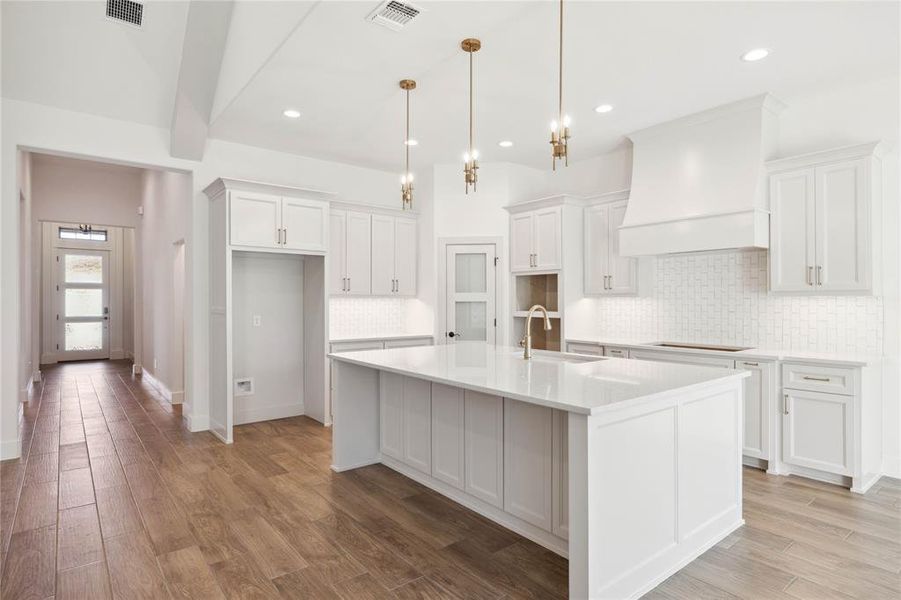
548,244
255,219
792,235
305,224
842,226
817,430
521,250
82,304
405,253
358,253
597,248
382,255
337,252
470,293
623,269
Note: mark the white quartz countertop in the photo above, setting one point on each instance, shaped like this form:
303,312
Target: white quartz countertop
373,338
832,358
548,379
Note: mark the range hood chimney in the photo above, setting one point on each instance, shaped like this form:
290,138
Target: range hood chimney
699,182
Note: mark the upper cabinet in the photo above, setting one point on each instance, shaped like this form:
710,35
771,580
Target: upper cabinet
606,272
394,252
536,240
350,255
823,208
260,220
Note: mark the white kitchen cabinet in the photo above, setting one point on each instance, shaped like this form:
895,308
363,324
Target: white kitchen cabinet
351,261
394,255
822,221
287,223
617,352
585,348
418,424
560,474
817,430
536,240
606,271
687,359
391,415
757,404
256,219
528,446
484,447
447,435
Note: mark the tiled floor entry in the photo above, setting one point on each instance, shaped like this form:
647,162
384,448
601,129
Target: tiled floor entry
116,499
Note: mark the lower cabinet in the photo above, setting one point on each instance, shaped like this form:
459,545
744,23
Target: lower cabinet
447,435
816,430
484,447
391,415
756,422
418,424
560,474
528,448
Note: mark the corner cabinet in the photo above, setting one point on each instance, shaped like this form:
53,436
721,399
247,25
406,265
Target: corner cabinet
606,272
262,220
823,230
536,240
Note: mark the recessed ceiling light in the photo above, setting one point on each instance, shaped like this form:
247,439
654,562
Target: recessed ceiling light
505,143
291,113
755,54
411,143
603,108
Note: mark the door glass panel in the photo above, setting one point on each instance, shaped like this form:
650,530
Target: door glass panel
470,273
84,336
82,302
471,322
81,268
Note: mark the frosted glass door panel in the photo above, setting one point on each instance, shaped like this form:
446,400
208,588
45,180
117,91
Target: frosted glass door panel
82,302
80,337
471,321
470,293
80,268
470,275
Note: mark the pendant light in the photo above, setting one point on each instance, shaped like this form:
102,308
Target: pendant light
560,128
406,180
471,158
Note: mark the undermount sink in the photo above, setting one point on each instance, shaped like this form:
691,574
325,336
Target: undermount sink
700,346
550,356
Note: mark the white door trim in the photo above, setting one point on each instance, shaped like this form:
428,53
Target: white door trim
500,286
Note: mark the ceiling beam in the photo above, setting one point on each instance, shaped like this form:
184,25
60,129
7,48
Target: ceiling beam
206,32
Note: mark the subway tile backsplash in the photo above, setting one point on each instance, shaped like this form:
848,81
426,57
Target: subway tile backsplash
722,298
361,317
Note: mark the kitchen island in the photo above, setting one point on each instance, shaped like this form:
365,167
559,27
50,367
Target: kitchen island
629,468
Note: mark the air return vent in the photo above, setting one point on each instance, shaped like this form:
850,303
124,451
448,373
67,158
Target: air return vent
126,11
394,15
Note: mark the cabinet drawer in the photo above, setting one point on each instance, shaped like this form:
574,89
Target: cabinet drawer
818,378
616,352
592,349
686,359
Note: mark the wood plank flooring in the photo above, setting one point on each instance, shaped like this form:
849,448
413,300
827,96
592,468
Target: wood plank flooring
114,498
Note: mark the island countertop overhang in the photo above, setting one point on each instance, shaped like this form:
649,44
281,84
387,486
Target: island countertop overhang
562,381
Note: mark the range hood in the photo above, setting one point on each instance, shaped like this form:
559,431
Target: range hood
699,182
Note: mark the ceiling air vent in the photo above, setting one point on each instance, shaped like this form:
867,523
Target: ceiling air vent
126,11
393,14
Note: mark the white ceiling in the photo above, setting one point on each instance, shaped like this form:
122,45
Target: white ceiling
652,60
69,55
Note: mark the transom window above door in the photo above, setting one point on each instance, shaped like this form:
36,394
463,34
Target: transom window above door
84,233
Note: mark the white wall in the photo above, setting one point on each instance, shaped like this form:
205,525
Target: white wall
27,277
166,198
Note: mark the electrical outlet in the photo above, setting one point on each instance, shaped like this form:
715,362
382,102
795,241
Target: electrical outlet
257,320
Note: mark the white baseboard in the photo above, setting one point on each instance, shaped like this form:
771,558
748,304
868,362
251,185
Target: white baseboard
129,355
48,358
195,423
24,392
267,413
137,369
178,397
10,449
36,376
117,354
891,467
159,385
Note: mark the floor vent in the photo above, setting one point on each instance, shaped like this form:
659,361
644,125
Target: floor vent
126,11
394,15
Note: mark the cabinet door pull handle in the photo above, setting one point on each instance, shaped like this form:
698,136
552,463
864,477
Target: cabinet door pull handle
809,275
750,364
819,275
286,236
785,404
348,284
825,379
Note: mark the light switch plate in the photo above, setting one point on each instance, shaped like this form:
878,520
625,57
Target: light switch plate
257,320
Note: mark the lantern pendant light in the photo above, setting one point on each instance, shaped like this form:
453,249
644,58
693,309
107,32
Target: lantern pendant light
560,128
406,180
471,157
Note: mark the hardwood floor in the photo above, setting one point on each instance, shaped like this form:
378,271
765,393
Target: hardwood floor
115,499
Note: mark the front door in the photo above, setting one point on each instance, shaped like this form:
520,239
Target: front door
470,293
82,305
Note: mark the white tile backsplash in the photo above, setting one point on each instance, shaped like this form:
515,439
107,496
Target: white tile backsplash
722,298
361,317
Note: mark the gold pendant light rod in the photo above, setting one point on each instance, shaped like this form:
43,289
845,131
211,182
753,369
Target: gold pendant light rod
406,180
560,129
470,159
